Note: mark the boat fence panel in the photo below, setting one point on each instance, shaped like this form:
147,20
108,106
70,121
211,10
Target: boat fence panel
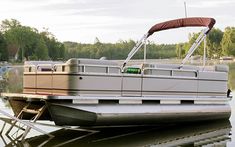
222,68
170,72
185,73
63,78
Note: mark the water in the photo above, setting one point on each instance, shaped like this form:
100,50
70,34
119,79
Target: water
213,133
207,133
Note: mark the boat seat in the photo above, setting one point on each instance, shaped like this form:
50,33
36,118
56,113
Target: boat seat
91,62
221,68
170,66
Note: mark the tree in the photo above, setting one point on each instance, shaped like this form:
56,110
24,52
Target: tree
56,50
214,39
28,43
41,51
117,50
180,50
23,39
9,24
213,45
3,48
228,41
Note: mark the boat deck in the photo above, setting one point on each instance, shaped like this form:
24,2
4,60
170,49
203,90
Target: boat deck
164,99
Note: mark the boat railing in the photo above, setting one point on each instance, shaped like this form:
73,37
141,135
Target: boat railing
171,72
114,69
66,68
38,68
108,69
45,67
87,68
30,68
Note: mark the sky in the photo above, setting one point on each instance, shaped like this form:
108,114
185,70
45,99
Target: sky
114,20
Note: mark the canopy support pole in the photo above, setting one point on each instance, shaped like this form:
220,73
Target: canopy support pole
135,49
204,54
145,50
197,42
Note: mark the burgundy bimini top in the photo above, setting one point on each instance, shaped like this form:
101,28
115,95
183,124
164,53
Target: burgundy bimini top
183,22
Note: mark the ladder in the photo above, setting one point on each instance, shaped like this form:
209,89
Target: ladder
36,115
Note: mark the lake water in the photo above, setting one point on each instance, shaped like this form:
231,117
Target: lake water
213,133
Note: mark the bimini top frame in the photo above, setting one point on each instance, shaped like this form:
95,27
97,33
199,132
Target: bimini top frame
177,23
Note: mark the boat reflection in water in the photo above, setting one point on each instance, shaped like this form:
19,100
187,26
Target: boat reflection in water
216,133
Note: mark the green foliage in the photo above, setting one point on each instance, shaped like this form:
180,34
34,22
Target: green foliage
27,43
9,24
228,41
180,50
214,45
41,50
56,50
3,48
214,39
117,50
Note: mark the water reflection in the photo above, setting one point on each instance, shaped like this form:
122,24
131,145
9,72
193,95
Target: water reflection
232,75
12,80
198,134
